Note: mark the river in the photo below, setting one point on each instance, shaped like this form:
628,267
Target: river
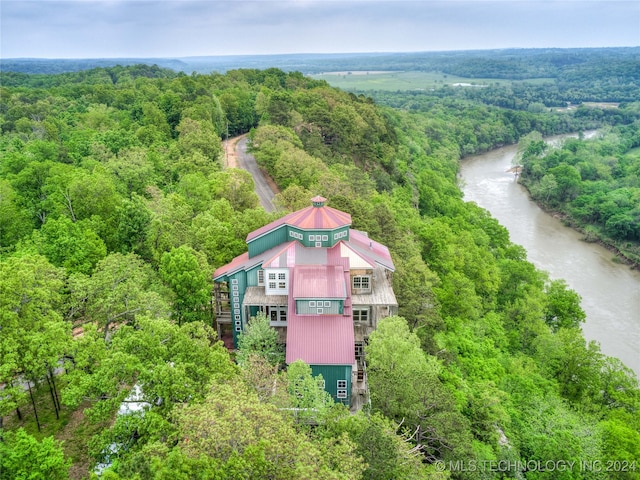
610,291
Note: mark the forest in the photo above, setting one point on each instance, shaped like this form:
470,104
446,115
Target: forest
594,183
115,208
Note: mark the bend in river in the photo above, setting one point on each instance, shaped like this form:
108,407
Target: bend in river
610,291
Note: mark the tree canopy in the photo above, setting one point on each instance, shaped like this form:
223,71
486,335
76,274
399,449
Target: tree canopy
115,207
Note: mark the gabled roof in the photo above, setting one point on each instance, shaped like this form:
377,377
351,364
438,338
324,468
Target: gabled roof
243,262
374,251
236,264
283,258
310,218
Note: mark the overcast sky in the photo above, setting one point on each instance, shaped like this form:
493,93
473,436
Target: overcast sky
180,28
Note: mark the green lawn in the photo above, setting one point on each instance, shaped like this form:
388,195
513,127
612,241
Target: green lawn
412,80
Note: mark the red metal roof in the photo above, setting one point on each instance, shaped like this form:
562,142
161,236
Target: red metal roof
321,340
235,264
370,249
310,218
283,258
319,281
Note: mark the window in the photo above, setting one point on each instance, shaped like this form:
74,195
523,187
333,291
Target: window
312,238
277,316
361,282
278,281
260,277
336,236
327,304
359,347
361,315
236,305
237,318
318,244
320,311
234,281
342,389
234,287
312,303
325,238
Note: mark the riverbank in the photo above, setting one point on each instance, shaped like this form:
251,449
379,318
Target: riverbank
619,256
610,290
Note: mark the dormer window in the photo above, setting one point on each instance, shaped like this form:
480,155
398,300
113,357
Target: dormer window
361,283
277,281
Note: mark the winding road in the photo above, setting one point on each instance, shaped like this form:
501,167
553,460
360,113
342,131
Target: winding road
238,157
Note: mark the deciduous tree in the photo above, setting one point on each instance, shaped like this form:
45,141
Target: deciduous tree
188,275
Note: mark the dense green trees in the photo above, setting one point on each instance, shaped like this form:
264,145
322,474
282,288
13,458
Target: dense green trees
115,209
23,456
34,333
594,183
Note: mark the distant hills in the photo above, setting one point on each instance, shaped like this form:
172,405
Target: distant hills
512,63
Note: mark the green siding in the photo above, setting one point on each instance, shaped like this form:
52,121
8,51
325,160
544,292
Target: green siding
286,233
294,233
252,276
339,234
331,374
237,283
268,241
308,234
303,308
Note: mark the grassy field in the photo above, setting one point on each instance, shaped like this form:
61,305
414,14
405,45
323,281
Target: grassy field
412,80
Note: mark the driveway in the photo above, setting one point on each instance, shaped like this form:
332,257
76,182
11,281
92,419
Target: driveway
238,157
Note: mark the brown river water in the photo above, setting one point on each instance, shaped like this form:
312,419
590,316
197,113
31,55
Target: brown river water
610,291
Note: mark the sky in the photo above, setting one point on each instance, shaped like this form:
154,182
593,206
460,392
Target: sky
183,28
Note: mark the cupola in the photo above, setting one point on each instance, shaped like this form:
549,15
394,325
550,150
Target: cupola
318,201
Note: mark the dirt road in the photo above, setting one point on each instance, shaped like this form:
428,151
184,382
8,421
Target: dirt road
237,157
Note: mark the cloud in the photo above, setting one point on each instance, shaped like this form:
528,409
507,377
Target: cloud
162,28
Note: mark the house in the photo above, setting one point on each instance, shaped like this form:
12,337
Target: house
323,285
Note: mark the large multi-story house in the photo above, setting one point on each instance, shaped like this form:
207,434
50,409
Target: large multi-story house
323,285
